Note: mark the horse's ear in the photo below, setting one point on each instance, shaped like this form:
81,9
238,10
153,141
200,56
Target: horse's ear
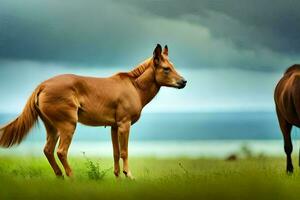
157,54
166,51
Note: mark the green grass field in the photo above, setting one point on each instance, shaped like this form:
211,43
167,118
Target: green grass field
180,178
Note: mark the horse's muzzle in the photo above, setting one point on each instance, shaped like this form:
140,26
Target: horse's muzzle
181,83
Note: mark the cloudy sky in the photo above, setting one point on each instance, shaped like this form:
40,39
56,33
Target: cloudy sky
231,52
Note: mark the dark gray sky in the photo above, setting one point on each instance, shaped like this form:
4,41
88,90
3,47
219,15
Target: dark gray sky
222,43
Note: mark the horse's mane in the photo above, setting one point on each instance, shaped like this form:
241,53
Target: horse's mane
139,70
292,68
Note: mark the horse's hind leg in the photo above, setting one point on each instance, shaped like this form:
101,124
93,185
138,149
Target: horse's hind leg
65,134
288,146
52,138
61,109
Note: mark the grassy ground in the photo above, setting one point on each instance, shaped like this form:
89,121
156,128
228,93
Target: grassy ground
253,178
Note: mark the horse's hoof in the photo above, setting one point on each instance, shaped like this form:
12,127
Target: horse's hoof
61,177
129,175
117,176
131,178
290,170
289,173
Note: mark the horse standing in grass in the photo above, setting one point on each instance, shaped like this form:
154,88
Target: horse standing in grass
287,100
116,101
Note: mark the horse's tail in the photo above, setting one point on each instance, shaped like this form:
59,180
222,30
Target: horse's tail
14,132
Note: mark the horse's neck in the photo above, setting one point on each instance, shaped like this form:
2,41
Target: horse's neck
146,85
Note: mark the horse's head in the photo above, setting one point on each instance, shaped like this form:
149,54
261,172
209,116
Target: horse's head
165,73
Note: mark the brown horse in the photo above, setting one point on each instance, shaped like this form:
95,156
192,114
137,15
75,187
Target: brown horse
287,100
116,101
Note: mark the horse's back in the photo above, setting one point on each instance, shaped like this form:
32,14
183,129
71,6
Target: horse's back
293,68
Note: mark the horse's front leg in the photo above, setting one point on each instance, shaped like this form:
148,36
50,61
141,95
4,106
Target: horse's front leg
123,133
116,150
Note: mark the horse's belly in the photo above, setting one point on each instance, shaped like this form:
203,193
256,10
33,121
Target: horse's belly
96,119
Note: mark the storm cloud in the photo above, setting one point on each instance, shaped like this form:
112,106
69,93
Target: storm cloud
249,24
253,35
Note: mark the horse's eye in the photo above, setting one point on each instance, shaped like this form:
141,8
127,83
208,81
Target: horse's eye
166,70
